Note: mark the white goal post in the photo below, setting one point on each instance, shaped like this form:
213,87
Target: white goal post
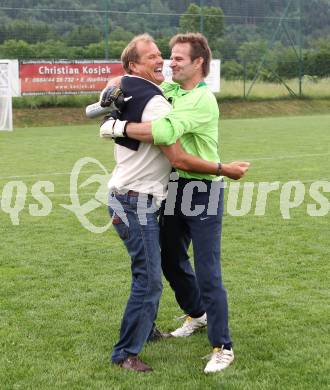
9,87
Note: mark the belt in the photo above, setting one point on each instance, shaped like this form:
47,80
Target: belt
135,193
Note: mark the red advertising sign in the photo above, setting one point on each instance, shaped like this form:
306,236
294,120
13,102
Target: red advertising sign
66,77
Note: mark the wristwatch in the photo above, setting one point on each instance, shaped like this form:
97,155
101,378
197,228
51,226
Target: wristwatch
218,173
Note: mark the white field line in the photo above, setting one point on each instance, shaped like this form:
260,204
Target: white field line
245,159
41,174
287,157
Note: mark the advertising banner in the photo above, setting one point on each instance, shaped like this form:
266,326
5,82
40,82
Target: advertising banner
66,77
82,77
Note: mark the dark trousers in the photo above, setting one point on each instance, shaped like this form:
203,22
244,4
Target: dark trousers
200,291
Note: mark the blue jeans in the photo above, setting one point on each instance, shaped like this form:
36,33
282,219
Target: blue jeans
200,291
137,225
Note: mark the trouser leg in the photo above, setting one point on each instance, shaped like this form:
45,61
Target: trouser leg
174,241
142,243
207,253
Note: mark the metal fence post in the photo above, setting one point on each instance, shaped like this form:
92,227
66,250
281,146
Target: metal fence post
201,27
301,60
106,30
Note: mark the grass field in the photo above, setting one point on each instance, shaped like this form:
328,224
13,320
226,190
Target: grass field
311,87
63,288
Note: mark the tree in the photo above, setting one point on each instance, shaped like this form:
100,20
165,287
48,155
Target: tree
317,63
16,49
252,52
163,46
52,49
119,34
212,21
231,70
83,36
250,55
30,31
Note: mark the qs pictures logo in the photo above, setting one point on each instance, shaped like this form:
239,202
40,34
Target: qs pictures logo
83,210
89,193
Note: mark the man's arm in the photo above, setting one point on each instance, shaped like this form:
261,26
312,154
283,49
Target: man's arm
140,131
187,162
184,118
176,155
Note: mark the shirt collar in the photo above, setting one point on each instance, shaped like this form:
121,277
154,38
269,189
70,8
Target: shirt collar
182,91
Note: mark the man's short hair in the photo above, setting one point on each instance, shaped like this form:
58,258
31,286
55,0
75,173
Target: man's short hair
199,47
130,53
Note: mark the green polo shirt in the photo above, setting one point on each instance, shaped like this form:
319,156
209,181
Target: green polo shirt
194,119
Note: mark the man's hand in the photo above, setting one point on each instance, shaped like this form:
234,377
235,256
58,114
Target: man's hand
235,170
113,128
114,81
111,102
112,95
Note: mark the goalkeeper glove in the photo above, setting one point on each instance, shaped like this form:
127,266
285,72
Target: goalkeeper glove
113,128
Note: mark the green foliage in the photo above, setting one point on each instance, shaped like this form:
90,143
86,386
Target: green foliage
53,49
212,23
16,50
234,36
190,22
252,52
116,48
287,65
231,70
31,31
163,46
317,63
119,34
59,49
83,36
94,50
97,50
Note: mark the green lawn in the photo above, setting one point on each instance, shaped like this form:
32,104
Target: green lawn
63,288
311,87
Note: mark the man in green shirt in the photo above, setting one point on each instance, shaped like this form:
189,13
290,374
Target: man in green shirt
198,204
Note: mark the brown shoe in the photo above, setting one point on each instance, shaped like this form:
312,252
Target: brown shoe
133,363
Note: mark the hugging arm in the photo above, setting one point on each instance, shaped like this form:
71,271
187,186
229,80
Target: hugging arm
176,155
187,162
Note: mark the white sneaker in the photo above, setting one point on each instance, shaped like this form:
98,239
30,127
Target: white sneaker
190,325
220,359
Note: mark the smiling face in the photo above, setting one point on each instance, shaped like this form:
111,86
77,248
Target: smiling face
185,71
150,63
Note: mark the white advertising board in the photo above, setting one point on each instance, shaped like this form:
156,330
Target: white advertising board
9,79
9,86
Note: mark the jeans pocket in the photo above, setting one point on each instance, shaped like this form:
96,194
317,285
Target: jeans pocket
121,227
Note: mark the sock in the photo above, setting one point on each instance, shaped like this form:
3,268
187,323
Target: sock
225,346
